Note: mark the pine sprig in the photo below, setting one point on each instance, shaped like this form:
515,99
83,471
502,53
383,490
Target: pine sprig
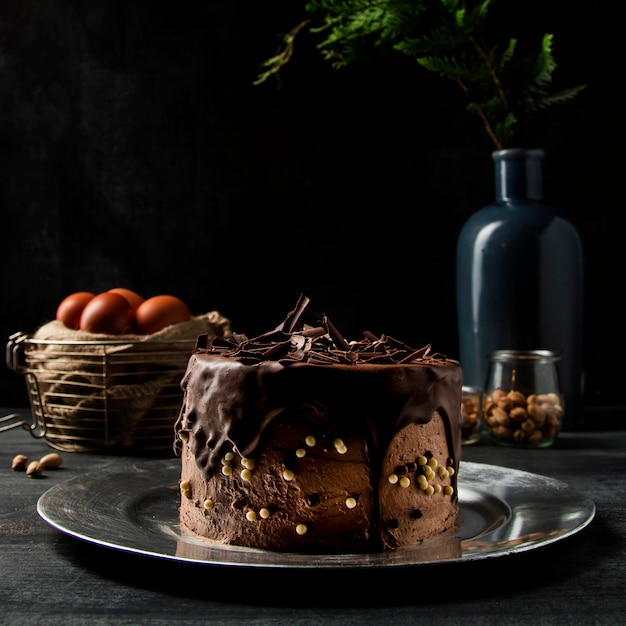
448,38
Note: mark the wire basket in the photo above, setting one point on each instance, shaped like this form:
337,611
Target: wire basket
102,396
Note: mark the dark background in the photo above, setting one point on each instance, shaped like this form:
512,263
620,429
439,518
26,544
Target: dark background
135,152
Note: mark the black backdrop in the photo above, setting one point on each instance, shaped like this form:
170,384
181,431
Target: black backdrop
135,152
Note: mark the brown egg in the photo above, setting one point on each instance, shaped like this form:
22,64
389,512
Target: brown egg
158,312
108,313
70,309
133,298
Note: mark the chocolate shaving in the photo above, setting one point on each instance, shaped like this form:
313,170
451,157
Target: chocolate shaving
292,341
335,335
371,336
293,318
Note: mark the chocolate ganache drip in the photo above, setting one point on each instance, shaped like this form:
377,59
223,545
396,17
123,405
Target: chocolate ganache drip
236,387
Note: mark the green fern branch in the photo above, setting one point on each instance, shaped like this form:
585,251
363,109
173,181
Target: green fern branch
444,37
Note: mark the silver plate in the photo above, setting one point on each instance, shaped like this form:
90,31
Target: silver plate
134,508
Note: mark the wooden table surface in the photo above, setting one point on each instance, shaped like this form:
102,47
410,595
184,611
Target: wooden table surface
49,577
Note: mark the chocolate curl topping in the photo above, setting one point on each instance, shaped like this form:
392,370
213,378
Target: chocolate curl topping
335,335
293,341
293,318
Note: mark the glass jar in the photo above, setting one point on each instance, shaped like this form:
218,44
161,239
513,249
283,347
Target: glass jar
523,404
471,411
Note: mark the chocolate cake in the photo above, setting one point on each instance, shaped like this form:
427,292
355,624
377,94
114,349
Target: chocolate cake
299,441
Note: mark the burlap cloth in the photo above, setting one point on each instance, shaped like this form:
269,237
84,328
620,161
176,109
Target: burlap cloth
113,391
212,323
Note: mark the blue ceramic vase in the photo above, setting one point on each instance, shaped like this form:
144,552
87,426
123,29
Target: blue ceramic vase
519,279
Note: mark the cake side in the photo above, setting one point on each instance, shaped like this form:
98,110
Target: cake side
297,440
418,485
298,457
303,494
298,494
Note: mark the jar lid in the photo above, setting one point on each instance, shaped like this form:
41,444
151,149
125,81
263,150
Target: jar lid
524,355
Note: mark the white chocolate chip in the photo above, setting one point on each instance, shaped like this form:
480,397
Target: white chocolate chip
350,502
288,475
264,513
405,481
301,529
310,441
251,516
300,453
185,489
392,478
340,446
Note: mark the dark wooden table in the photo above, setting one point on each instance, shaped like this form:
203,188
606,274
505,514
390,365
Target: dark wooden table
48,577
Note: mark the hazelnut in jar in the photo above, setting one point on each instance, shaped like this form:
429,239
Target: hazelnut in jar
471,411
523,404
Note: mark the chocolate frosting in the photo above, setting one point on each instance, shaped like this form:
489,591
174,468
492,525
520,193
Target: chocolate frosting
235,388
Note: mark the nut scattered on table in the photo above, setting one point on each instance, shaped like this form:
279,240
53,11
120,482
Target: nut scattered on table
34,469
515,418
20,462
51,460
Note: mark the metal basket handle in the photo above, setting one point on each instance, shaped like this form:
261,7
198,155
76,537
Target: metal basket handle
13,352
15,361
15,420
